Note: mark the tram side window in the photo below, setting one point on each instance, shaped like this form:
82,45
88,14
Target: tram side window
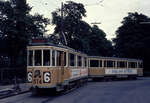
94,63
38,58
100,63
122,64
30,58
79,61
53,57
65,59
60,59
109,63
59,56
85,62
72,59
46,57
132,64
140,65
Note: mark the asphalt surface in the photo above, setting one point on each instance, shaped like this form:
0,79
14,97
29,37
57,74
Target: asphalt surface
130,91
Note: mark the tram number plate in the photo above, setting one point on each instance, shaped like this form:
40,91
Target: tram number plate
37,81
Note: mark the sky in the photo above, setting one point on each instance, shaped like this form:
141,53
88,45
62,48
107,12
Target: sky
109,13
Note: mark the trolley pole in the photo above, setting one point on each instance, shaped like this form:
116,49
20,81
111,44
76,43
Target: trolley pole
62,17
62,36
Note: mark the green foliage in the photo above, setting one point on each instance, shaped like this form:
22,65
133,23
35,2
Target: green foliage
79,34
133,38
73,13
17,26
99,45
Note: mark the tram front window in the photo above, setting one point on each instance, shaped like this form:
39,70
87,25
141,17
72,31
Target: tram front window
38,58
30,58
46,57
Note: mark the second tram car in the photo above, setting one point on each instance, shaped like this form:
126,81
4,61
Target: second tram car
101,67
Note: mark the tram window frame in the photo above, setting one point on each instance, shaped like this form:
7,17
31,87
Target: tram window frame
59,59
65,59
100,63
37,58
30,59
85,61
79,61
53,62
95,62
120,65
140,64
72,58
47,56
108,65
130,65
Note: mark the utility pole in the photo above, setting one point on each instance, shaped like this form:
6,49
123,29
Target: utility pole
62,36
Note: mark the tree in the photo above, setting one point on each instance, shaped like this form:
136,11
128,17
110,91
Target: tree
99,45
133,38
79,34
17,26
73,13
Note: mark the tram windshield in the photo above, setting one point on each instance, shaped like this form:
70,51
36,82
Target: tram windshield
30,58
38,58
47,57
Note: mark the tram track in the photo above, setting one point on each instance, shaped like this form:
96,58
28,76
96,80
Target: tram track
13,94
61,94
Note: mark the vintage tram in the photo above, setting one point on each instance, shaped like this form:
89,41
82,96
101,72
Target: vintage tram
103,67
58,67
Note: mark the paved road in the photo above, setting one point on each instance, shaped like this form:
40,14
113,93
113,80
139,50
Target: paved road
137,91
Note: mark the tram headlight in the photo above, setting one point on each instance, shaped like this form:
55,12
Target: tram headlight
29,77
46,77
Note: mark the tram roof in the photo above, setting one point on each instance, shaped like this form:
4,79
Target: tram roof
55,45
117,58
